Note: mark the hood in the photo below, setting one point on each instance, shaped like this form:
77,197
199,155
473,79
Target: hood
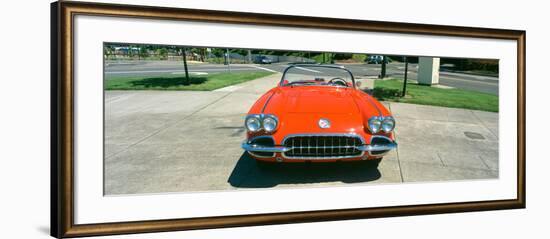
300,108
312,99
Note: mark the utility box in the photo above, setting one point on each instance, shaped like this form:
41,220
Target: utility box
365,84
428,70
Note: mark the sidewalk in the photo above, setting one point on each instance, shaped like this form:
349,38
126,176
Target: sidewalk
438,143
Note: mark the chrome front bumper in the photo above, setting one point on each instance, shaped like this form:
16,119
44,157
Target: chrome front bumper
267,149
381,149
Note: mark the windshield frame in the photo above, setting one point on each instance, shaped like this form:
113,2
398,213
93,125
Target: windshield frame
320,66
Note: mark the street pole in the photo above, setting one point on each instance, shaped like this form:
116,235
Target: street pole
187,82
383,70
228,60
405,77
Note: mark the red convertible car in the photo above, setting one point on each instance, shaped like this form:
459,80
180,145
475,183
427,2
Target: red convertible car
317,114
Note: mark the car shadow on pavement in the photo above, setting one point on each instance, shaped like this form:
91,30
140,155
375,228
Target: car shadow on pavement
249,174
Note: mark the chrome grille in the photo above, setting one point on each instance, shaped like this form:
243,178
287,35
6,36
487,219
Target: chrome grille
323,146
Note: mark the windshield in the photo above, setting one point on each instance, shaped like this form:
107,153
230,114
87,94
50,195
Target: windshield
317,75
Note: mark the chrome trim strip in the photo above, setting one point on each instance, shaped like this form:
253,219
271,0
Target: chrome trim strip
267,102
369,99
253,147
317,65
258,148
389,146
260,156
385,147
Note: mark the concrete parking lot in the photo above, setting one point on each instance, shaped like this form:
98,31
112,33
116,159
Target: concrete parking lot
181,141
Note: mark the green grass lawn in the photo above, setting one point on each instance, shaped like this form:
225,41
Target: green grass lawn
178,82
390,90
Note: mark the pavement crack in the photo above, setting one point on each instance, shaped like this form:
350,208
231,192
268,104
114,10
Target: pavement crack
440,159
458,167
399,164
397,150
482,123
483,161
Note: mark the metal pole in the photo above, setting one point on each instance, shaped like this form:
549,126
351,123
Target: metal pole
383,70
405,77
228,59
187,82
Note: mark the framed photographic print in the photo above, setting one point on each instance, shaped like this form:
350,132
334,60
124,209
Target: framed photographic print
170,119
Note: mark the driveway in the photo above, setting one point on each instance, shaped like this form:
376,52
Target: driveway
180,141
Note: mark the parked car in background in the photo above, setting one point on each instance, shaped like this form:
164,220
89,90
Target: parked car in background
375,59
317,114
262,60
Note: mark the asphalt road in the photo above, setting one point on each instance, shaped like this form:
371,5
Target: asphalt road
485,84
189,141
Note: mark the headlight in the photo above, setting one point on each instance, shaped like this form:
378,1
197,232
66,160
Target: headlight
377,124
388,124
374,124
257,122
270,123
253,123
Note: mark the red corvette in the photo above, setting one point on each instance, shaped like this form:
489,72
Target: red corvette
317,114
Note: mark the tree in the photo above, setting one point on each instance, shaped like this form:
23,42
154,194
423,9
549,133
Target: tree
405,76
184,53
200,52
162,53
143,52
108,50
218,52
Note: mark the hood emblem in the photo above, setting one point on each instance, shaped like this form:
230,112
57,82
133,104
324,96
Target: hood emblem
324,123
